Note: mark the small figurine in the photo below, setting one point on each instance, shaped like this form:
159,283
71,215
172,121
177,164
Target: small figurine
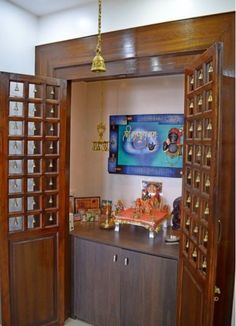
176,213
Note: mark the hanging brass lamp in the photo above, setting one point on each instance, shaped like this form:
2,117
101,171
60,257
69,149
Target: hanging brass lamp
98,64
101,144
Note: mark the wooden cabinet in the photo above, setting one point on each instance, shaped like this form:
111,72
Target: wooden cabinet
96,282
116,286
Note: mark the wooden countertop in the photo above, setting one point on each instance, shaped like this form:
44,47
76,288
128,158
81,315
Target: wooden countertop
130,237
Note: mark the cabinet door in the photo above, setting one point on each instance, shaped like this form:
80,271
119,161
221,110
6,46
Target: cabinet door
148,290
200,213
33,118
96,278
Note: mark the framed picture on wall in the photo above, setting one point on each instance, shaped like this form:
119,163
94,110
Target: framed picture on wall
149,144
85,203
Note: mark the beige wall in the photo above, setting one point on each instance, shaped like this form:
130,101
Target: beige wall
89,176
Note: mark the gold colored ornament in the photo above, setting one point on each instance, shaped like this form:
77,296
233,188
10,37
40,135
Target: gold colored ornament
199,152
51,128
191,128
209,126
190,152
200,101
194,254
200,77
195,229
51,164
50,200
51,146
191,105
207,183
205,239
204,264
51,182
208,154
52,92
197,179
210,69
210,98
197,204
187,222
199,128
52,110
98,64
206,211
50,218
189,199
189,176
192,80
187,245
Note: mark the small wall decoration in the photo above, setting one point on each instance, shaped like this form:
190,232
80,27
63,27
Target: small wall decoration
149,144
86,203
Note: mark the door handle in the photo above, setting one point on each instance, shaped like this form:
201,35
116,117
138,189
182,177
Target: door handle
126,263
115,257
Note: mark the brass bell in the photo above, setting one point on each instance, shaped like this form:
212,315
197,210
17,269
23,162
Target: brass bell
194,254
197,204
206,211
208,154
187,245
200,101
197,179
191,105
189,176
210,69
50,218
205,239
195,229
98,64
187,222
199,128
204,264
209,126
210,98
199,152
207,183
191,128
190,152
200,77
189,199
192,81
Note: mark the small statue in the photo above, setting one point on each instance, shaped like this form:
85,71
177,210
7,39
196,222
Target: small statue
176,213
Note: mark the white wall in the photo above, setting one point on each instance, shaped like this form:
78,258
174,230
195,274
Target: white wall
122,14
18,34
89,176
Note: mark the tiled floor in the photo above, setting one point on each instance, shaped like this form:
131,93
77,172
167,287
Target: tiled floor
75,322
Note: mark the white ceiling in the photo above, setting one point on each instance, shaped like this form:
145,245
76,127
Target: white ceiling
45,7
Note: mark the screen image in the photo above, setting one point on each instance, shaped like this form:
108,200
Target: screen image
146,144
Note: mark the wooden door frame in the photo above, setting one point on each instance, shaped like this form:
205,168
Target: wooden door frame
163,49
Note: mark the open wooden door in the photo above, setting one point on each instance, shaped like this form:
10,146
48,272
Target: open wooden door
33,206
200,213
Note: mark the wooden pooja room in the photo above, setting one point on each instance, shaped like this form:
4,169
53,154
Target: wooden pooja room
117,167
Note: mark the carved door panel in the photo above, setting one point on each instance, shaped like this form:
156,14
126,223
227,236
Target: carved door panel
33,120
199,223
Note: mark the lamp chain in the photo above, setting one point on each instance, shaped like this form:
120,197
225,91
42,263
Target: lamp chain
99,26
